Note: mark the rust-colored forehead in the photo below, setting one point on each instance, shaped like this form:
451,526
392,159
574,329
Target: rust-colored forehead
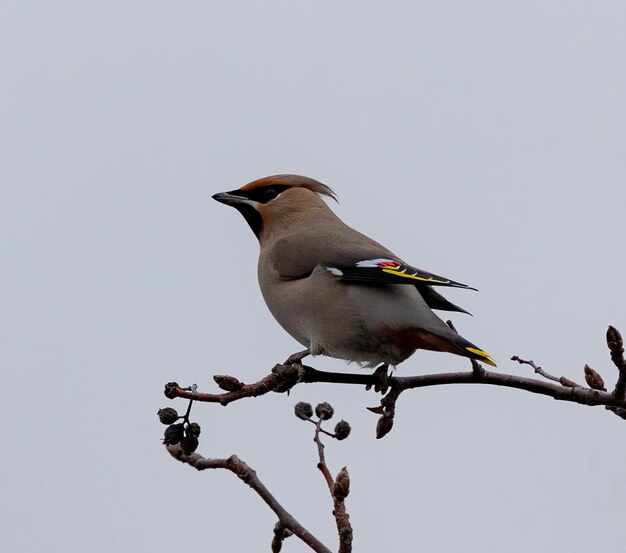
268,181
291,180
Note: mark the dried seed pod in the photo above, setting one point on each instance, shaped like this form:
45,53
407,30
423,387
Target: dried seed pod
324,411
167,415
173,434
303,410
189,444
193,429
342,430
170,390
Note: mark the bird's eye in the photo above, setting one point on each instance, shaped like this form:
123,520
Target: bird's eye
269,194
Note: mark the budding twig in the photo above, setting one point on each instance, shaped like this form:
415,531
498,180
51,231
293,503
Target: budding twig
616,347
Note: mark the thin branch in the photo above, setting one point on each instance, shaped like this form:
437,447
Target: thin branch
339,489
538,370
249,476
579,394
320,452
563,380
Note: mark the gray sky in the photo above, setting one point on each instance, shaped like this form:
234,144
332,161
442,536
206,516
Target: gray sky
480,140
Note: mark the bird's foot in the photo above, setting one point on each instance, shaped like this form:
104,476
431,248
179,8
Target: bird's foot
381,376
295,358
477,369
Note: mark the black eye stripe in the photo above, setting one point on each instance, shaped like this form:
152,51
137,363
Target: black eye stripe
270,194
263,194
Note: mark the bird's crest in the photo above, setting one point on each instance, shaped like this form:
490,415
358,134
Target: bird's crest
289,181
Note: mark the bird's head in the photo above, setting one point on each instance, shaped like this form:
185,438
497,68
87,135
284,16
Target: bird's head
274,201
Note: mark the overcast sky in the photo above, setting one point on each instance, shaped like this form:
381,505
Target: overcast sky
484,141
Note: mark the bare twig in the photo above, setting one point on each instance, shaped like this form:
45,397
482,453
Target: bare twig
564,381
249,476
538,370
339,489
320,452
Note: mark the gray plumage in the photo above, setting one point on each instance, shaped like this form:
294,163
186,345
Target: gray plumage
326,284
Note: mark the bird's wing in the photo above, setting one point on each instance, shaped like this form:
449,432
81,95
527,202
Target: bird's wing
356,259
390,271
435,300
298,254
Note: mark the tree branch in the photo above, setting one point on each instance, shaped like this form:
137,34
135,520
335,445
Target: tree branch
249,476
284,377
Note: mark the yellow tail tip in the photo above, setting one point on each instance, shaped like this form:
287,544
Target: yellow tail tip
483,356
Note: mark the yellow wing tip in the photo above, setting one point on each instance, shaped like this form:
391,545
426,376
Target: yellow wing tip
415,277
484,356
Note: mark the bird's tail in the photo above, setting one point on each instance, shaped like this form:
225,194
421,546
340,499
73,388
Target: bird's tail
480,355
473,352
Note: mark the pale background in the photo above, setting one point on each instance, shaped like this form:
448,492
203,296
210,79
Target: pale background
481,140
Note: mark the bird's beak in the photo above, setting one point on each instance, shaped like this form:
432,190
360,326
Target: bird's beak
247,207
230,198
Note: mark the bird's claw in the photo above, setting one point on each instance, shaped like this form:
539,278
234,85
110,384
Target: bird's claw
295,358
381,378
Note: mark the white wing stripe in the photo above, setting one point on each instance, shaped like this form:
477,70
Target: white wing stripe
373,262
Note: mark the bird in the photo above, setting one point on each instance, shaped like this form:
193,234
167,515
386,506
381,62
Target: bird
336,291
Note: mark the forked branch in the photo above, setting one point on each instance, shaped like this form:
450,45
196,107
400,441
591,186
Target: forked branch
182,437
249,476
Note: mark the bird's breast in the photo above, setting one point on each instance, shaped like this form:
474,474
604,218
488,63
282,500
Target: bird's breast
368,324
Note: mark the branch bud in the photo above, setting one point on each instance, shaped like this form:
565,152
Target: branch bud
594,380
614,340
280,533
568,383
384,426
227,383
341,487
277,544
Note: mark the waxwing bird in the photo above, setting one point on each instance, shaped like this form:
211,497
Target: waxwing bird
333,289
